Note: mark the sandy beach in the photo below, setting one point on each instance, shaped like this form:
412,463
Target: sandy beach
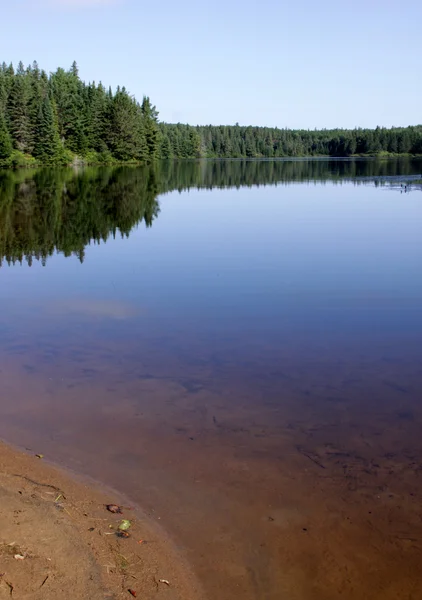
58,540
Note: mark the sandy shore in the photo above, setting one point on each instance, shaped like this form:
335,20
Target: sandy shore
58,540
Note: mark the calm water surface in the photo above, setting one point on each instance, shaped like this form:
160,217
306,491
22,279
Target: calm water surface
237,346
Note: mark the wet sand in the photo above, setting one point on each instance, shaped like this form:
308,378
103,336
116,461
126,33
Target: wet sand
293,472
57,540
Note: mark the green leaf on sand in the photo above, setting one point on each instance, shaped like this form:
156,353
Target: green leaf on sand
124,525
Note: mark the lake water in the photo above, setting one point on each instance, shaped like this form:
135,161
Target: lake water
237,346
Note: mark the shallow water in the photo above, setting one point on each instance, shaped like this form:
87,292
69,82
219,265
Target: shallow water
247,367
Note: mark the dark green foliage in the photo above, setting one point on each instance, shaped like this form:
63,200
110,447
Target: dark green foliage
47,146
126,131
4,91
97,117
18,111
165,148
71,109
5,141
152,131
264,142
59,117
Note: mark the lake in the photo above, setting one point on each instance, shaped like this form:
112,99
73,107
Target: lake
237,346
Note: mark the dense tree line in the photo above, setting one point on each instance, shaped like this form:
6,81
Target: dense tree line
184,141
57,118
43,210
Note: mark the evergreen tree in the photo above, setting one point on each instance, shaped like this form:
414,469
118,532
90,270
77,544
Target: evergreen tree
125,127
47,147
97,105
38,83
3,92
67,92
18,112
152,131
5,141
142,150
165,150
404,144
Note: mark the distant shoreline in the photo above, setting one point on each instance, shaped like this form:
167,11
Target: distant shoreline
31,163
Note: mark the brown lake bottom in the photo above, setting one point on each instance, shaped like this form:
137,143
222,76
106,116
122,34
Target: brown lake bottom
282,470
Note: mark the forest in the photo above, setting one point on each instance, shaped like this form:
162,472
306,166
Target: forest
58,119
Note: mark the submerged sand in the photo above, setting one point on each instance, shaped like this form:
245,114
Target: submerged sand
298,483
58,540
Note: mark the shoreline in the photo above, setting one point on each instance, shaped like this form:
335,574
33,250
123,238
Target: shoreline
57,539
82,163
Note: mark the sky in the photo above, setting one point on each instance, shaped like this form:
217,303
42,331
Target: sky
298,64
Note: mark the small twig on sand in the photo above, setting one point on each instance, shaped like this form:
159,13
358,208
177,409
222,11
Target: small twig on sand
37,483
10,586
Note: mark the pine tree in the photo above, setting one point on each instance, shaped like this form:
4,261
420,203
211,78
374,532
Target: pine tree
74,70
165,150
17,111
67,92
3,92
152,130
38,83
97,110
126,138
48,147
141,152
404,143
5,141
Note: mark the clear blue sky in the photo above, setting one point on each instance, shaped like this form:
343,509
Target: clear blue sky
286,63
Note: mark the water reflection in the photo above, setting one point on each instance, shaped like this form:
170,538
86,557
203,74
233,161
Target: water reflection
63,210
